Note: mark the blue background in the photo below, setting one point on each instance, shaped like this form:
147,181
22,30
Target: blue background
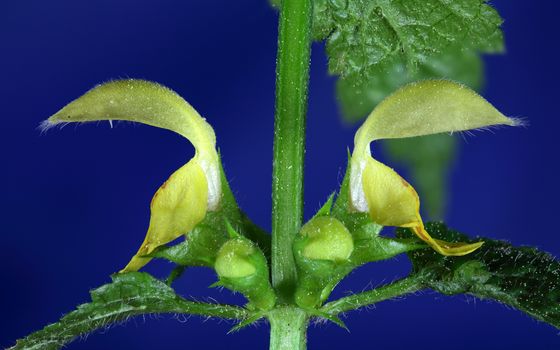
74,203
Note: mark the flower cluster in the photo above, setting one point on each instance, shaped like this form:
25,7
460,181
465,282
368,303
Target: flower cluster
183,201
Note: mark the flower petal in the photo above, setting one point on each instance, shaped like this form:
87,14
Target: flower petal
391,200
183,200
423,108
394,202
152,104
430,107
178,205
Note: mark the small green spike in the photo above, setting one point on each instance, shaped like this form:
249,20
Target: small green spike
326,208
246,322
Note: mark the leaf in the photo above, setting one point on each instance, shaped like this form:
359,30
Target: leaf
129,295
362,34
522,277
177,272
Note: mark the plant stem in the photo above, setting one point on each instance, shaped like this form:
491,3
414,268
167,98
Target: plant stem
292,77
404,286
288,328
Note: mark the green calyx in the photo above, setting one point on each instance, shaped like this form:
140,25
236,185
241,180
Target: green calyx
242,267
326,238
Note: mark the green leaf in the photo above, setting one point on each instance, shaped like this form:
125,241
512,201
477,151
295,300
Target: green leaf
129,295
363,33
522,277
177,272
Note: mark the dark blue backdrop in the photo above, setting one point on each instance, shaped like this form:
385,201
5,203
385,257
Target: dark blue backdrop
74,203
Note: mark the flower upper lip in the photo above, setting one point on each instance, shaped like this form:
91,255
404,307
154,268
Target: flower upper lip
183,200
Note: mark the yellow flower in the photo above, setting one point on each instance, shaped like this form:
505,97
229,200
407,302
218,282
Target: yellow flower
424,108
195,188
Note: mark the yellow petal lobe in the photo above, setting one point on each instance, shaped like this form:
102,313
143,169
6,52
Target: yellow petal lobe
393,202
176,208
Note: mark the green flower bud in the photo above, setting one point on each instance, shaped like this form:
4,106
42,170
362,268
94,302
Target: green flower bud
327,239
233,260
322,252
242,267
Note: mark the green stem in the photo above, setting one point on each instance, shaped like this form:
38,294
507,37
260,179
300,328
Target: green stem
292,77
404,286
288,328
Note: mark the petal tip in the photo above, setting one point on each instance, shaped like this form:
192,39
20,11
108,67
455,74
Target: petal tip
46,125
518,122
457,249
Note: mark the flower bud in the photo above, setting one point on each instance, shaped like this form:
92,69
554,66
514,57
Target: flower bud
327,239
322,251
234,259
242,267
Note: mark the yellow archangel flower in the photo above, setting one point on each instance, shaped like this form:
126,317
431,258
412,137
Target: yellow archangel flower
417,109
195,188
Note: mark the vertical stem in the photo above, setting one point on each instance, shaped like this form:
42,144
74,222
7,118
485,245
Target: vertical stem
288,328
292,77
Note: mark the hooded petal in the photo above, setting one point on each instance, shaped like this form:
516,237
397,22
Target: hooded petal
152,104
429,107
185,197
423,108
